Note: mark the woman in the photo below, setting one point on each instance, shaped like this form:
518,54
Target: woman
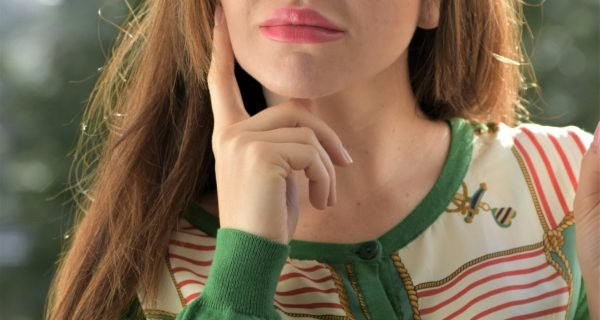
422,196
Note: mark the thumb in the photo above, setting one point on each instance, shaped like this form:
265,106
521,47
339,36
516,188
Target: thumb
226,99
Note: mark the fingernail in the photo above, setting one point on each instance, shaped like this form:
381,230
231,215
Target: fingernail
596,142
347,155
218,15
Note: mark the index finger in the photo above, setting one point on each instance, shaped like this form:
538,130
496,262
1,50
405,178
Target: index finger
225,97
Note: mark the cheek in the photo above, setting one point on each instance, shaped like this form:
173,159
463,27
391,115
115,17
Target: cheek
385,32
238,23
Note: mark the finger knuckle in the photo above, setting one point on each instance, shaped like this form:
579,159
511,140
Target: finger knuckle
256,151
220,135
216,139
308,135
314,153
225,137
287,110
237,140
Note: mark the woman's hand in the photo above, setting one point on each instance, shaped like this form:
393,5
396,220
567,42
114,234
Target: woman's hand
255,157
587,217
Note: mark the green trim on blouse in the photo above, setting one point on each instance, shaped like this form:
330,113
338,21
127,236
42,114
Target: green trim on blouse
419,219
578,310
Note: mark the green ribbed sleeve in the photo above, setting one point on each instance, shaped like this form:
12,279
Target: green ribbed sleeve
242,279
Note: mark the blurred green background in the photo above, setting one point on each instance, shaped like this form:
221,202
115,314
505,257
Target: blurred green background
50,52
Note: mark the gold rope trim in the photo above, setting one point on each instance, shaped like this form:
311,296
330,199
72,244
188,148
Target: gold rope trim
170,268
159,312
536,202
313,316
361,299
553,241
492,255
480,128
341,290
408,285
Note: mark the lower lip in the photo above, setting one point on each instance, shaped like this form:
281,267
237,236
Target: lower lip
300,34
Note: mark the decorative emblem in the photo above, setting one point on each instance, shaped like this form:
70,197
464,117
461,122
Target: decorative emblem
504,216
470,206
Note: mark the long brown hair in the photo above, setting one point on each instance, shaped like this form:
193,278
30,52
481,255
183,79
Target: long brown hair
145,148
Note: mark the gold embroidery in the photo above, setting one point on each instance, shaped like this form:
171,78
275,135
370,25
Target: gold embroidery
534,197
480,128
470,206
553,241
463,202
361,299
312,316
408,285
150,312
341,291
492,255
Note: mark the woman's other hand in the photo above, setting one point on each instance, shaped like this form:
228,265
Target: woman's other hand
255,157
587,216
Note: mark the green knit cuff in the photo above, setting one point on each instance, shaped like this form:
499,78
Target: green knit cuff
244,273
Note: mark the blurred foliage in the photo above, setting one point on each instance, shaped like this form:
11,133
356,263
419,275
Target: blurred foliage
50,52
562,42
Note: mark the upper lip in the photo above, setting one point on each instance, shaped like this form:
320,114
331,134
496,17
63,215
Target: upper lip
294,16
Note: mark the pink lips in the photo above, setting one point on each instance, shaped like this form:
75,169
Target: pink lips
300,25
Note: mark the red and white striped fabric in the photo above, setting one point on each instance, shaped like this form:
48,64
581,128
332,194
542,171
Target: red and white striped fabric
553,158
307,287
190,255
497,288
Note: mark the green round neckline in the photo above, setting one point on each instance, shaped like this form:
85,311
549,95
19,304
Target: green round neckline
417,221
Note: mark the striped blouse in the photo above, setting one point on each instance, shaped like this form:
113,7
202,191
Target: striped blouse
493,239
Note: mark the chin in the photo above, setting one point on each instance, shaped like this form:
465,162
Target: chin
297,75
299,90
300,86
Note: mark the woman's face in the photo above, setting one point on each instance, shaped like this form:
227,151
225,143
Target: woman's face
375,35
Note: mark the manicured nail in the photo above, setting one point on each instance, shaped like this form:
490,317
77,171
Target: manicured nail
347,155
218,15
596,142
